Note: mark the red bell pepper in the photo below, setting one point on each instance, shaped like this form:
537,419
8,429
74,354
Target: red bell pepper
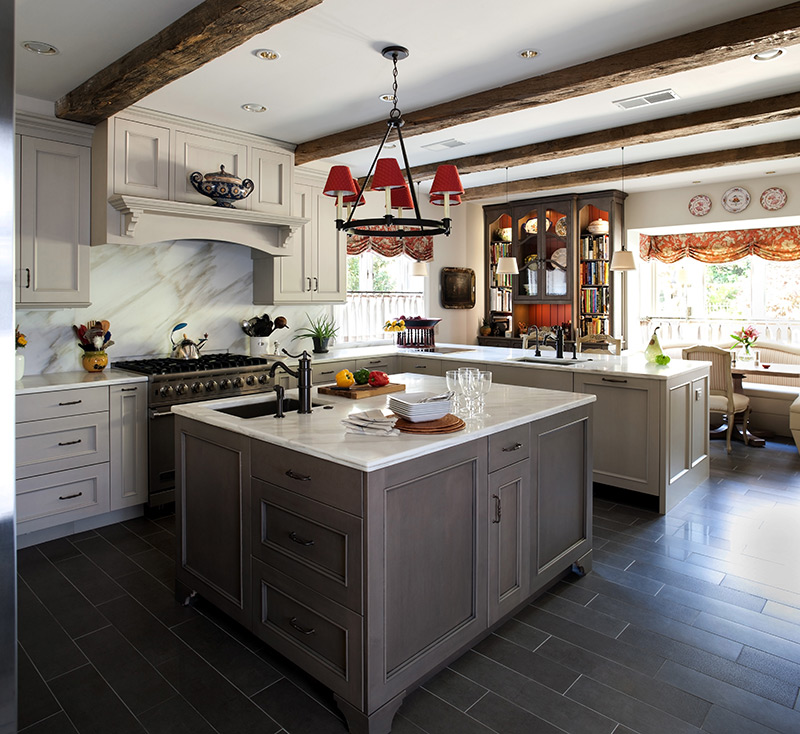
378,379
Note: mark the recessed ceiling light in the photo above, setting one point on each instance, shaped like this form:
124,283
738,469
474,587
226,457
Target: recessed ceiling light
773,53
41,48
528,53
386,98
254,107
267,54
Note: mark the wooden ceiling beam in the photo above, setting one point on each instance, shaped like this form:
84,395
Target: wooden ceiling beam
207,31
695,162
704,47
730,117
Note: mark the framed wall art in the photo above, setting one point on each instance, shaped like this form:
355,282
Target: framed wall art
458,287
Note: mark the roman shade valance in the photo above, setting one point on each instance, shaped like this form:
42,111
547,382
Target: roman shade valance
769,243
417,248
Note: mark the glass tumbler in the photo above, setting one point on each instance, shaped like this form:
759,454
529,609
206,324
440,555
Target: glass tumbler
468,379
454,386
484,385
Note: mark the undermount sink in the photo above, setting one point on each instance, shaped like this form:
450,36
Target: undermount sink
262,409
561,361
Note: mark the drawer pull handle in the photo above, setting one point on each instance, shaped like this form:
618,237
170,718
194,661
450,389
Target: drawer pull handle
327,372
70,496
69,443
498,510
28,281
300,628
72,402
375,361
302,541
611,379
516,447
298,477
128,389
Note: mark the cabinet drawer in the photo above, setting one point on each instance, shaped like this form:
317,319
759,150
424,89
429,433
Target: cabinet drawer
58,403
509,446
321,480
320,636
420,365
312,543
324,373
62,497
381,364
61,443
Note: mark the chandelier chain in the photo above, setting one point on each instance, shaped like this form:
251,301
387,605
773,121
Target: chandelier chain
395,113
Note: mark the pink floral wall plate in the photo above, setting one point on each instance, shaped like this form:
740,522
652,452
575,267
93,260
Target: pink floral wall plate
736,200
699,205
773,199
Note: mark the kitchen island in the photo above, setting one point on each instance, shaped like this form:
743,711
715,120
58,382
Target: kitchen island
371,562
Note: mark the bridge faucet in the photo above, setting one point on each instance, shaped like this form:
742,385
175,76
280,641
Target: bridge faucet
303,375
526,337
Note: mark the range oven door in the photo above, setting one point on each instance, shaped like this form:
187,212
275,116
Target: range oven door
161,452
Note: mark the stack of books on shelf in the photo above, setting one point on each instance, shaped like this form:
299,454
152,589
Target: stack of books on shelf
496,251
500,299
594,325
595,247
594,272
594,300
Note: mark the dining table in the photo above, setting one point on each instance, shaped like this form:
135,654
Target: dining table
740,372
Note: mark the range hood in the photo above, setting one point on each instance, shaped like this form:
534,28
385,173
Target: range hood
141,193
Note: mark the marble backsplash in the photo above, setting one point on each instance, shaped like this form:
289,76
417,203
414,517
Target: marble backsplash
144,291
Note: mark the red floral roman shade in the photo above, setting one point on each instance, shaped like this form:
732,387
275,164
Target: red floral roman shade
770,243
418,248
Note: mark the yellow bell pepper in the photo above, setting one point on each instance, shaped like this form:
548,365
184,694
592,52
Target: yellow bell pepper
344,378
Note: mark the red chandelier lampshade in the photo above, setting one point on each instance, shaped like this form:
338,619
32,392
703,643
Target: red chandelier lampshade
401,198
387,175
340,181
447,181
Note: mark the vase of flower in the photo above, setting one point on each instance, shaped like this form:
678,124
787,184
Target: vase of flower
20,341
745,338
20,366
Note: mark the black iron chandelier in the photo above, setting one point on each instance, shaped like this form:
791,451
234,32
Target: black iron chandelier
385,175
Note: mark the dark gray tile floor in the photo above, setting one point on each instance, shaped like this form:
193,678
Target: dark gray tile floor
688,623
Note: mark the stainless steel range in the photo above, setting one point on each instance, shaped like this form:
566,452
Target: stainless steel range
178,381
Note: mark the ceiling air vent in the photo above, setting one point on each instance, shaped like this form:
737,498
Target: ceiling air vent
643,100
444,144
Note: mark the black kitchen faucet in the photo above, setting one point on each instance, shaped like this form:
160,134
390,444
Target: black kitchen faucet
303,375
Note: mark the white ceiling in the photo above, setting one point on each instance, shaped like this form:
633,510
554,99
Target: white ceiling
330,73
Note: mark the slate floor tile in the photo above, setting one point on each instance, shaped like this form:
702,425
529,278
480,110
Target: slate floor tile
95,585
57,724
174,716
58,550
158,565
123,539
142,526
434,716
503,716
92,705
296,712
110,559
586,616
772,665
34,700
156,598
457,690
722,721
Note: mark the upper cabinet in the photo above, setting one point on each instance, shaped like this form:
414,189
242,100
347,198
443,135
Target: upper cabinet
53,213
142,194
316,272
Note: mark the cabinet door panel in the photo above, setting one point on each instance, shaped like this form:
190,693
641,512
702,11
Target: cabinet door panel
141,159
271,173
128,433
329,277
680,439
199,153
699,401
294,272
54,226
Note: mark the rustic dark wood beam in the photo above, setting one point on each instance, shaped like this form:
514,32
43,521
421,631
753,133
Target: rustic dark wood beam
730,117
715,159
705,47
207,31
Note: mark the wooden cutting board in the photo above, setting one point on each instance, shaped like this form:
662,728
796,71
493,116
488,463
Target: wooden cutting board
357,392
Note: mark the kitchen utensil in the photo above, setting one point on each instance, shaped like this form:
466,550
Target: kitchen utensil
247,327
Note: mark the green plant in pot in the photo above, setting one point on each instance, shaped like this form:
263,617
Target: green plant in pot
320,331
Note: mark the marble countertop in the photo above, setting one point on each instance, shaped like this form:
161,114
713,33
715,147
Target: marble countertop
630,364
69,380
321,433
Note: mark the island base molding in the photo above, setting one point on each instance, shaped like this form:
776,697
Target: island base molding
371,581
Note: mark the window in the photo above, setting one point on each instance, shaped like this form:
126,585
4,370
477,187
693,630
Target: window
378,289
748,289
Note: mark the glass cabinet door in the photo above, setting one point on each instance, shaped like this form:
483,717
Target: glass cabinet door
529,257
555,254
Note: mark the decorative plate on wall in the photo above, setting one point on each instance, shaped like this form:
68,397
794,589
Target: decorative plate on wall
773,199
532,226
736,200
699,205
561,227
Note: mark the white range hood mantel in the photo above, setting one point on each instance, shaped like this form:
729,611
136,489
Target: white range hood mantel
142,195
172,220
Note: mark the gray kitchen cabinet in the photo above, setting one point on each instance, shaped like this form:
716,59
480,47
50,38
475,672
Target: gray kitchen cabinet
386,364
324,372
53,213
128,436
371,580
419,364
549,379
316,271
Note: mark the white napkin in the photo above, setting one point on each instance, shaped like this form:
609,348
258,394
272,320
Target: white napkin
370,423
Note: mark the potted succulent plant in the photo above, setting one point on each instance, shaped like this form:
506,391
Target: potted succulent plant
320,331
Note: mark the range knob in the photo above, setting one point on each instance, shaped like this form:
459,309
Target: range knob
211,385
166,391
198,387
224,384
251,380
263,379
182,388
238,382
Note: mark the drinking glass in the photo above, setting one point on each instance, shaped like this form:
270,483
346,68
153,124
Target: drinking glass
468,378
454,386
484,385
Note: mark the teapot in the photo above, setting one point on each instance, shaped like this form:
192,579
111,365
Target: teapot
186,348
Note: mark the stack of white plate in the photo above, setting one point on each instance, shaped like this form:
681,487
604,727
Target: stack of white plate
412,407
